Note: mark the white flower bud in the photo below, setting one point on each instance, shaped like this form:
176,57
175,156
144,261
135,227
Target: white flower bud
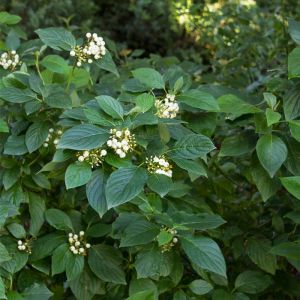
75,251
72,248
90,61
56,141
86,153
88,35
119,151
75,236
72,53
175,240
71,240
45,145
127,132
20,242
81,233
122,155
119,133
109,143
81,250
88,245
103,152
70,234
78,64
59,132
77,244
81,158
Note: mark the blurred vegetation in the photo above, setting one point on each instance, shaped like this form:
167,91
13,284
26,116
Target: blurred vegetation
234,42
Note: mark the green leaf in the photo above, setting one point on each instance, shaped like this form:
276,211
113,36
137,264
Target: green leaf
15,145
200,221
14,95
4,255
235,107
143,295
111,106
149,77
3,126
9,19
239,144
271,152
204,253
292,184
192,146
83,137
77,174
294,216
74,266
57,97
144,102
10,177
58,219
294,63
86,285
252,282
160,184
291,104
139,233
295,129
124,184
95,191
200,287
294,30
2,290
195,168
58,264
106,63
289,250
270,99
151,263
55,63
37,209
266,186
36,135
105,262
44,245
57,38
37,292
273,117
258,251
17,230
164,237
199,99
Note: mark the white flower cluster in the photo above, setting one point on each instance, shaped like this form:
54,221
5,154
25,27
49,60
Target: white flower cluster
121,141
168,246
93,157
53,137
159,165
94,48
167,108
9,60
78,245
24,246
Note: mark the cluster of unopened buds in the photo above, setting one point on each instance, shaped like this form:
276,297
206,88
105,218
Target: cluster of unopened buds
24,246
159,165
78,244
121,141
93,49
167,108
174,240
93,157
9,60
53,137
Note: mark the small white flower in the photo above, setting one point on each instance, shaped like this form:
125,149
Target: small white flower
75,236
175,240
20,242
122,155
72,53
78,64
86,153
70,234
75,251
81,233
88,35
81,250
71,240
118,133
77,244
90,61
109,143
72,248
81,158
45,145
59,132
127,132
88,245
56,141
103,152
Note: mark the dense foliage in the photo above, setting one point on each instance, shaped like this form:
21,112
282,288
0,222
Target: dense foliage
153,177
